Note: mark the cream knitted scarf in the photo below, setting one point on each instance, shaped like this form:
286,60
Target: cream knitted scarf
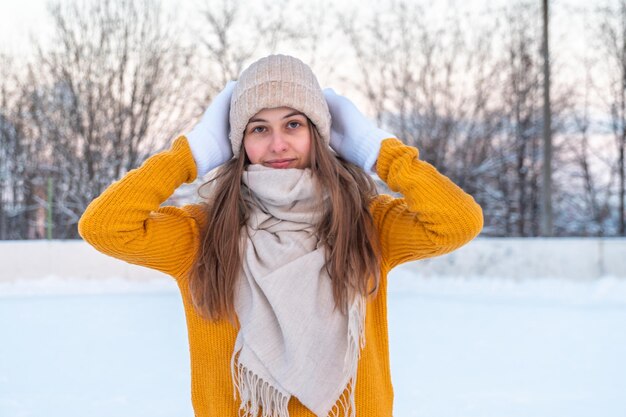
292,340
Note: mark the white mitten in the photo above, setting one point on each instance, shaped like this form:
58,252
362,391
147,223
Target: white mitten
208,139
352,135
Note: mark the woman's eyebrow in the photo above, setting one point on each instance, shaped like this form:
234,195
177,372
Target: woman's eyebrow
295,113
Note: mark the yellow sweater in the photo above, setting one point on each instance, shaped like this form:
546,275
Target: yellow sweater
126,221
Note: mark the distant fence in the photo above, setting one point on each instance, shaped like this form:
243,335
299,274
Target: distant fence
516,258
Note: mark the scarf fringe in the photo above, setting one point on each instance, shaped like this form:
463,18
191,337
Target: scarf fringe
345,404
356,342
256,394
259,395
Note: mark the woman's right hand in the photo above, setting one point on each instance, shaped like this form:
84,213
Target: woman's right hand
208,139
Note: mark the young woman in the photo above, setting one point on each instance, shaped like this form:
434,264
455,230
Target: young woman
283,270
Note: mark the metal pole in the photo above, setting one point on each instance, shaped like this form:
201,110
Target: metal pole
546,191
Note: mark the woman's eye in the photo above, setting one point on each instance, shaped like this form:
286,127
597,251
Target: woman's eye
257,129
294,124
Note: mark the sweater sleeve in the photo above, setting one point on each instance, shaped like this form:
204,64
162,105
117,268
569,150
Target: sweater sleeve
434,217
127,222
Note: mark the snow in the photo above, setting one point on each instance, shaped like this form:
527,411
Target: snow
470,346
516,258
496,347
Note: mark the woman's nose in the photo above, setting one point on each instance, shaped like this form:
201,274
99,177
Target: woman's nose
279,143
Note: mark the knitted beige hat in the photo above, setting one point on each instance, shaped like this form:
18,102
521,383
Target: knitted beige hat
277,81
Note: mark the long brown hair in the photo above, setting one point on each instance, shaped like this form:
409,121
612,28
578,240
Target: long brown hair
347,229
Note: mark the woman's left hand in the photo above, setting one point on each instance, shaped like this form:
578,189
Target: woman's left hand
352,135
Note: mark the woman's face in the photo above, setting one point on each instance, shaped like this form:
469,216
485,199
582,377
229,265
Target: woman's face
278,138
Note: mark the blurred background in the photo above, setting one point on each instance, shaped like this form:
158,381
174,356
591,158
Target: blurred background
521,103
89,89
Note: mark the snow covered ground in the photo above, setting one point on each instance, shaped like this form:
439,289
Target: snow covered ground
471,347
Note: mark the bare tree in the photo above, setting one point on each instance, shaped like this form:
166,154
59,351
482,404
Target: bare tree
586,206
19,156
432,85
226,49
109,92
232,34
519,171
612,33
118,82
470,104
522,96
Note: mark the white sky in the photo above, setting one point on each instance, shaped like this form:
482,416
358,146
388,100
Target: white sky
22,19
19,18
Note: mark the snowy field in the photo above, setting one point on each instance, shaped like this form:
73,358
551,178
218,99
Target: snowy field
472,347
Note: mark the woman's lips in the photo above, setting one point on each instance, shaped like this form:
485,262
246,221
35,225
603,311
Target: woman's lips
279,163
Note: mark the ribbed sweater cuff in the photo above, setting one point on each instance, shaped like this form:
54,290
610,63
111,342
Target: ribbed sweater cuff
392,150
181,148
